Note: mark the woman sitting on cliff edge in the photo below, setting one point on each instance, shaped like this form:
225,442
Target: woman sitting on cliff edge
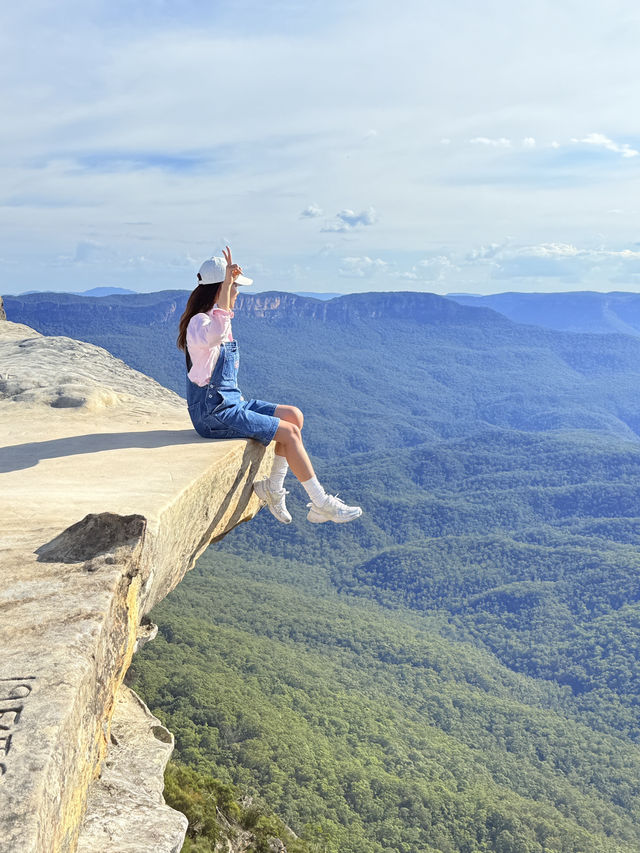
218,409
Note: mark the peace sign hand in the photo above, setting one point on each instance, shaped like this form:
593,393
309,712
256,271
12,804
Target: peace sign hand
233,270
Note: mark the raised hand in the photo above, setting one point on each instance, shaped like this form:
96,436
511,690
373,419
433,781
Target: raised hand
233,270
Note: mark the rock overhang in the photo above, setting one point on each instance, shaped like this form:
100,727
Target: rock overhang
107,497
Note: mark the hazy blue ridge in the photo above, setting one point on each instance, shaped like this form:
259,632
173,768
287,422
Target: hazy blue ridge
586,311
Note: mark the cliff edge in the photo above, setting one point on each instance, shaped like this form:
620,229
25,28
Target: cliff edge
107,497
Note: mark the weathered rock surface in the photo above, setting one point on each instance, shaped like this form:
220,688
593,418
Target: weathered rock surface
126,812
107,496
3,316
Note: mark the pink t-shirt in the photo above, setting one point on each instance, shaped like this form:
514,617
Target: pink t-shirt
205,333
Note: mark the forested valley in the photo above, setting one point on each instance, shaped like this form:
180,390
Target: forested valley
456,671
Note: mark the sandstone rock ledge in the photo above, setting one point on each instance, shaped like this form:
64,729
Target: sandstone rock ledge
107,496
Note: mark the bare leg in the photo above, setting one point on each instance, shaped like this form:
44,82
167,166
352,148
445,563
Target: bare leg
289,444
292,415
289,441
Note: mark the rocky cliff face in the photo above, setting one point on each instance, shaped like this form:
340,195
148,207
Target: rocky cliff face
56,310
107,496
427,307
125,807
3,316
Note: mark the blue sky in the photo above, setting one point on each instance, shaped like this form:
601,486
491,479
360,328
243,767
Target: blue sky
336,146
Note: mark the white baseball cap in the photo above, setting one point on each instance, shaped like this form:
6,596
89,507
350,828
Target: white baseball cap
213,271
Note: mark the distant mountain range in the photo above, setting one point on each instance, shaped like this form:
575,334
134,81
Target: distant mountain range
105,291
112,291
580,311
313,295
585,311
94,291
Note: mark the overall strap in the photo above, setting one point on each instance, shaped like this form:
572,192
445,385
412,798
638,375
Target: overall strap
188,359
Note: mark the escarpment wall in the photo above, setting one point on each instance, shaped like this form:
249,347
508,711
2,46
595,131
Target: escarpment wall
107,496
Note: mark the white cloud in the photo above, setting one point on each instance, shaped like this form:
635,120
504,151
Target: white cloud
366,217
599,140
362,267
347,220
502,142
562,265
325,250
436,269
566,250
547,250
311,212
625,254
484,253
505,251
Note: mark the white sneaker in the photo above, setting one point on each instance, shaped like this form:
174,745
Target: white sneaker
333,509
273,500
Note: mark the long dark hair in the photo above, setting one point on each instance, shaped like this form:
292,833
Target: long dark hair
201,300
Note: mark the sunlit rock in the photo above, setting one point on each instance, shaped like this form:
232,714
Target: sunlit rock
107,496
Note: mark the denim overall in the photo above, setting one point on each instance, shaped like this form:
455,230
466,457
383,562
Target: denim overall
218,410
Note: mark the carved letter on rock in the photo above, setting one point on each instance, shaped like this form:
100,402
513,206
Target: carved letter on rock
11,690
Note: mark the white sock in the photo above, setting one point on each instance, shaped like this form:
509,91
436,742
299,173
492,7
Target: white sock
278,473
315,491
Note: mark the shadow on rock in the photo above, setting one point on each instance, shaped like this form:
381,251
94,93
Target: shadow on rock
20,456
